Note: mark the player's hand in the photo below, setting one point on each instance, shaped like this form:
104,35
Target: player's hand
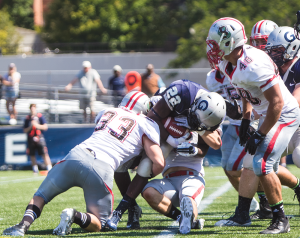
254,141
187,149
182,121
233,110
174,142
243,131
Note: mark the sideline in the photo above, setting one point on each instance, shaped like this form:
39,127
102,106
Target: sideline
204,204
23,180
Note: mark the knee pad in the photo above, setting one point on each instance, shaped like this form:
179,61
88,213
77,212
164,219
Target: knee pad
296,156
145,168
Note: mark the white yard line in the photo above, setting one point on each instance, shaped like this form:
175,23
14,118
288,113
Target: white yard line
204,204
23,180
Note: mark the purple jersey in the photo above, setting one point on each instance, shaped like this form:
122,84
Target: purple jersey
180,95
292,76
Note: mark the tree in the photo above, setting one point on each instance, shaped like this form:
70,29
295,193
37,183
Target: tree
20,11
193,47
152,22
9,38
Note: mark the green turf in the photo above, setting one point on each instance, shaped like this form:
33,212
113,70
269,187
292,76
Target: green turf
17,188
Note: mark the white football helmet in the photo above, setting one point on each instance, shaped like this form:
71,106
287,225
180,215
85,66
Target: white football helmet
224,36
282,45
207,112
137,102
262,30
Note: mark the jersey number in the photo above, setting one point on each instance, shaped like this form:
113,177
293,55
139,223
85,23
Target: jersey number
173,97
125,127
247,95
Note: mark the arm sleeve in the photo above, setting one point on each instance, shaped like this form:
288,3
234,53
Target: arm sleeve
160,83
96,74
42,120
151,130
79,75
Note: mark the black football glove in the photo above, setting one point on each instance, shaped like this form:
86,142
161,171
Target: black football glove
233,111
254,141
243,131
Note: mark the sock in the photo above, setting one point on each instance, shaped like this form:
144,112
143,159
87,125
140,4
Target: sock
82,219
133,203
244,204
32,212
278,211
35,168
263,201
49,167
283,165
125,204
297,185
173,213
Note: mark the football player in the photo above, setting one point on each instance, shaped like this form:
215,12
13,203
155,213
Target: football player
183,184
120,134
196,114
256,78
232,152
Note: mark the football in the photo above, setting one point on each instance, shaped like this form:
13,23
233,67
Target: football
174,130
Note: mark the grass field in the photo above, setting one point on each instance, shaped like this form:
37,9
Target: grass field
17,188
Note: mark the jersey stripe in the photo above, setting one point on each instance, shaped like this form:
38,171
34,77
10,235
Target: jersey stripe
271,145
270,80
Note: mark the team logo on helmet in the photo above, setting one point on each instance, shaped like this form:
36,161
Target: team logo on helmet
203,105
223,30
289,38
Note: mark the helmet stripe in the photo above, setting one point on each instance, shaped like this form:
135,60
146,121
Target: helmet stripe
233,19
260,25
135,101
131,99
255,27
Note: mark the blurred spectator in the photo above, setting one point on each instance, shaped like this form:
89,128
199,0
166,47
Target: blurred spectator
117,85
34,124
11,81
151,81
88,79
133,81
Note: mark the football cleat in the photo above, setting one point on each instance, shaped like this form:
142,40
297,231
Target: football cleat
263,213
112,222
237,219
278,226
66,220
134,214
297,194
198,224
254,205
187,215
16,230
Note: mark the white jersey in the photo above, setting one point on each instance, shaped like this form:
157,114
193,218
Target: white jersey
254,73
118,136
176,160
219,83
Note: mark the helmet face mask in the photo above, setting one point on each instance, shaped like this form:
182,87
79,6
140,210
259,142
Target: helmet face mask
282,45
214,53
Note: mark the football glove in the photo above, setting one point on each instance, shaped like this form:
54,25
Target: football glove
186,149
243,131
233,111
182,121
254,141
174,142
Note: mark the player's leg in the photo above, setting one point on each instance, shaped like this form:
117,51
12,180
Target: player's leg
43,152
266,162
191,190
14,111
52,186
34,164
144,172
98,201
91,104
